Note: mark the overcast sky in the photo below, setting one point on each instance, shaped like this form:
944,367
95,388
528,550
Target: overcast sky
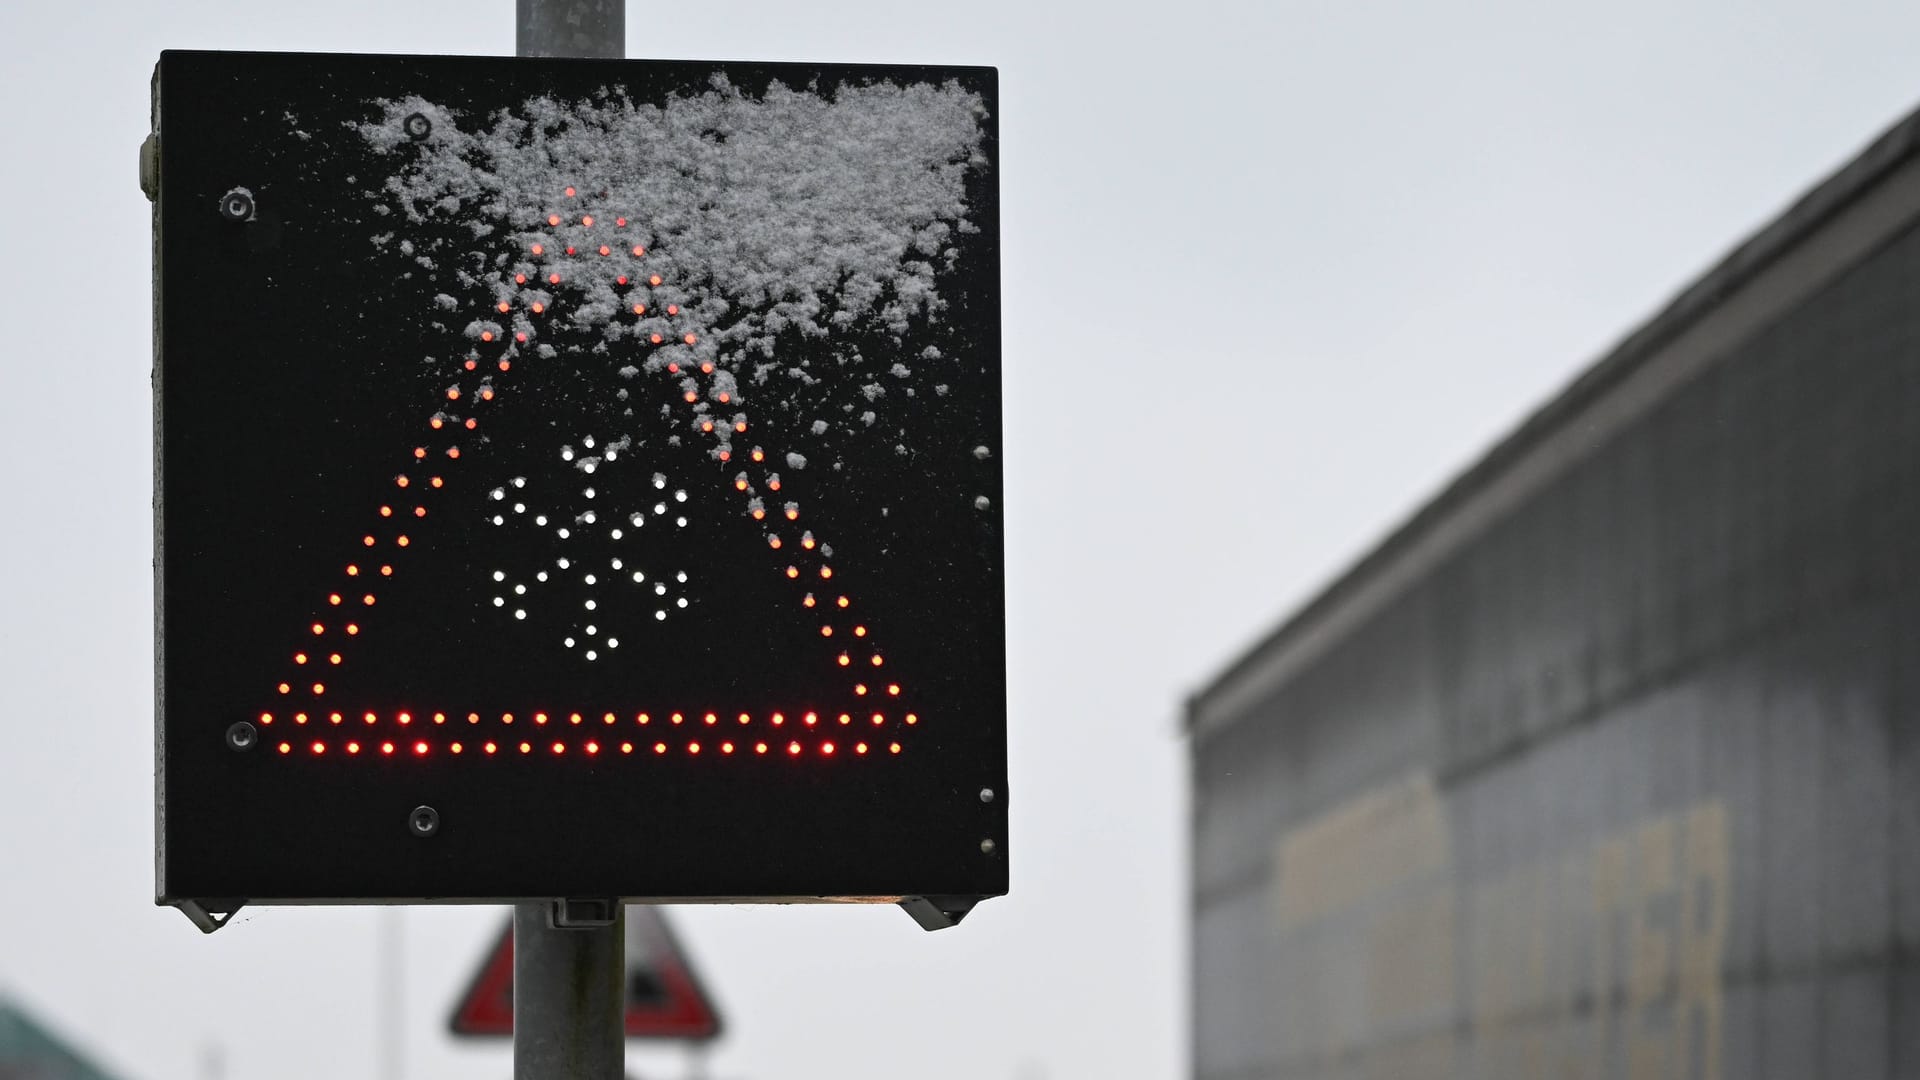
1273,272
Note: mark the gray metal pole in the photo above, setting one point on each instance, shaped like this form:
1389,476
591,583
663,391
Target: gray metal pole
568,996
569,959
594,28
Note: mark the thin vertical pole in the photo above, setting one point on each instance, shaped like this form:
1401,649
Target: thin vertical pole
392,998
568,996
591,28
568,977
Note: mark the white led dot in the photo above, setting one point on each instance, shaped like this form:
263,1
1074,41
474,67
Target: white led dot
613,643
563,563
519,590
519,508
519,481
498,520
592,629
637,520
617,534
566,454
680,577
682,522
658,508
591,605
682,602
680,496
498,602
564,533
590,579
660,589
588,493
638,576
587,442
588,467
589,517
569,643
542,575
616,564
611,454
519,613
659,481
540,519
660,615
591,655
499,493
499,575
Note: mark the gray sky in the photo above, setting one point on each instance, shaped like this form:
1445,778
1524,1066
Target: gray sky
1273,272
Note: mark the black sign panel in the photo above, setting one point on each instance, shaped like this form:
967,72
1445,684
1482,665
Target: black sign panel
577,478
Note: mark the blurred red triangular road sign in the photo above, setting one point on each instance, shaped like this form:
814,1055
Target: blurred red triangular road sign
664,998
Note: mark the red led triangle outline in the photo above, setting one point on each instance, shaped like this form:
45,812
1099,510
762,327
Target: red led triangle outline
523,334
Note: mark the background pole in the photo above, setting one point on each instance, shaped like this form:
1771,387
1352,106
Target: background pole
593,28
568,972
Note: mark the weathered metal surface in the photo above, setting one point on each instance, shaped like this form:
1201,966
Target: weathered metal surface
1623,784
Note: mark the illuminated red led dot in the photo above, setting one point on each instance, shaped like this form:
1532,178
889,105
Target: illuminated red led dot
711,719
860,748
553,279
456,748
626,748
845,660
436,423
569,193
659,748
334,599
334,718
912,719
539,718
877,661
486,393
693,748
538,307
266,718
386,570
299,658
559,748
587,220
502,306
638,251
405,719
370,718
319,629
793,748
674,309
621,280
436,481
439,718
894,748
285,689
894,689
574,718
504,365
741,426
286,748
724,397
485,335
334,658
593,747
520,337
807,542
553,219
526,748
793,571
860,689
690,339
519,279
453,451
779,718
655,338
826,749
571,250
352,629
421,511
620,222
826,571
506,718
758,454
826,631
299,718
386,748
773,483
878,719
605,250
473,718
811,719
758,513
808,602
654,280
608,719
639,309
677,718
644,718
745,719
418,452
859,631
367,600
774,542
353,748
490,747
845,719
759,748
420,749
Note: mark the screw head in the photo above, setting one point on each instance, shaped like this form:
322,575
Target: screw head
981,502
417,126
988,847
237,205
986,794
242,736
424,821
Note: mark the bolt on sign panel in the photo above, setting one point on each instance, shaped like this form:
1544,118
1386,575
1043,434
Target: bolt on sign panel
577,478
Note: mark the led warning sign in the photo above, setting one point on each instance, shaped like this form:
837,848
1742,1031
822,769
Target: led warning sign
577,478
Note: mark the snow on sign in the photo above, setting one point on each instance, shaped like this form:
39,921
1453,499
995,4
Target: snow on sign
577,478
665,999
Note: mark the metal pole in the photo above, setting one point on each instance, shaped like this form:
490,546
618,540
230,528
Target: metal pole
593,28
569,956
568,994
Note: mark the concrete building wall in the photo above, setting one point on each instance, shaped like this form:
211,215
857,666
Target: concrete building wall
1605,765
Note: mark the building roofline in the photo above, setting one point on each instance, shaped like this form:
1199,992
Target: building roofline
1840,220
